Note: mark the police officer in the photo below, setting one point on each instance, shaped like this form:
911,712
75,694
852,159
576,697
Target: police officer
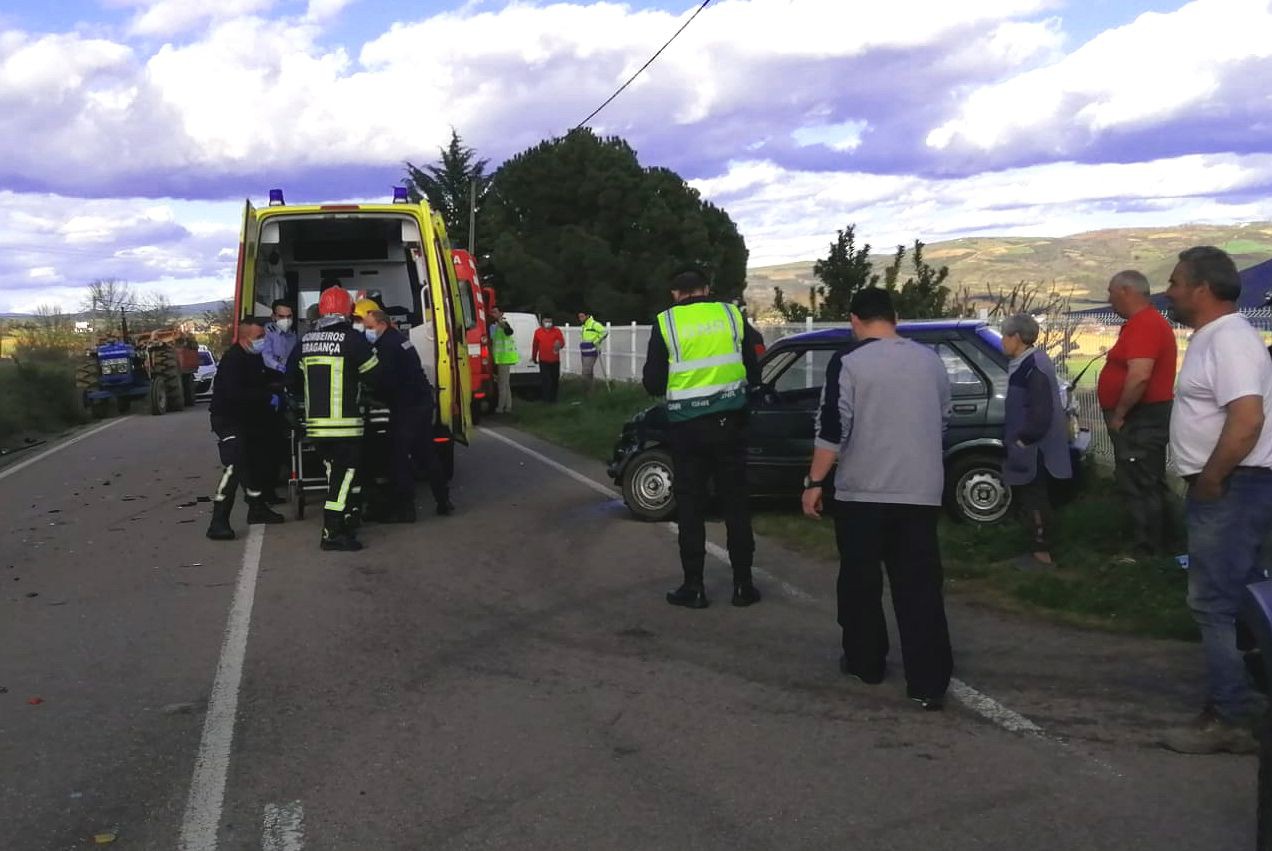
329,367
242,420
699,360
410,398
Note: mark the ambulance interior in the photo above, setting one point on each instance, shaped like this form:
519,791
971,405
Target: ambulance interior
379,256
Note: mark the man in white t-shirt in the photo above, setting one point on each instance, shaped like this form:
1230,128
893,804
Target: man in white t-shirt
1221,437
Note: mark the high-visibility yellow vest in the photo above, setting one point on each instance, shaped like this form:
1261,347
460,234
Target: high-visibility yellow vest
707,375
591,334
505,347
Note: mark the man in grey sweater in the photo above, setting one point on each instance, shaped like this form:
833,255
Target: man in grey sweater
883,415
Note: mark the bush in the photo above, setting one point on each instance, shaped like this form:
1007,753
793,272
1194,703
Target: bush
38,396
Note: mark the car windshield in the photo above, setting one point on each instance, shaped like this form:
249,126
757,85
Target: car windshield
205,359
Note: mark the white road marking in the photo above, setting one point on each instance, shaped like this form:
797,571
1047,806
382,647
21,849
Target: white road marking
22,465
284,827
983,705
990,709
202,819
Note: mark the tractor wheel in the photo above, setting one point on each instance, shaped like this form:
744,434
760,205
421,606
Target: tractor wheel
124,404
165,373
100,409
158,398
86,374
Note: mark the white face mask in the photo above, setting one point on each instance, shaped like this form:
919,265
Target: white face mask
284,324
547,324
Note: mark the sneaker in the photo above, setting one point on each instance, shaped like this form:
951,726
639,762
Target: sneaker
849,672
1211,733
745,594
929,704
689,596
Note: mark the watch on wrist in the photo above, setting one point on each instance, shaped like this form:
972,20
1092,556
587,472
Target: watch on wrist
809,484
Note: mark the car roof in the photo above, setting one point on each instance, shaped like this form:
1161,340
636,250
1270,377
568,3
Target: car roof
843,333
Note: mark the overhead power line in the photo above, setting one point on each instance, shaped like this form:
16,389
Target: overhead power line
642,68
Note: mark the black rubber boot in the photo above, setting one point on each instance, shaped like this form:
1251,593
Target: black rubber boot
336,537
219,529
259,513
745,593
691,595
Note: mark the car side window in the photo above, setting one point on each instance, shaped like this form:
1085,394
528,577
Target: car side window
805,373
965,381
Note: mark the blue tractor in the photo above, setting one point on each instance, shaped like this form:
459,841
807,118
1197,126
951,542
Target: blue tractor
156,368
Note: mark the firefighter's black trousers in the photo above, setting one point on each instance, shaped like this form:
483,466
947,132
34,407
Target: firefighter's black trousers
343,460
245,459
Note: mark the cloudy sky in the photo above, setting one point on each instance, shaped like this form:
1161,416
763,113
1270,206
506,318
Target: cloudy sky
131,130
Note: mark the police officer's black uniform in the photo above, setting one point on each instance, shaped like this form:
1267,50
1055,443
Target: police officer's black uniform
241,416
410,398
329,366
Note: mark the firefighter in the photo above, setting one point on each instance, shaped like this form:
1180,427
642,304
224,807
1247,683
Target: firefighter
410,398
699,357
242,420
329,367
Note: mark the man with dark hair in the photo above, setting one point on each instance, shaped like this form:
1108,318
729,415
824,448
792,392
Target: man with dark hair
241,418
1221,438
883,415
699,360
280,339
1136,392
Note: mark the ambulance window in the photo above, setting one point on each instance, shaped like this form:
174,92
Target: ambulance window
466,302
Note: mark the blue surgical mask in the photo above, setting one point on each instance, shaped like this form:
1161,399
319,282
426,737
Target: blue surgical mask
372,335
258,345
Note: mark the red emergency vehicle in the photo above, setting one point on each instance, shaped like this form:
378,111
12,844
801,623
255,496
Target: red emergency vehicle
483,368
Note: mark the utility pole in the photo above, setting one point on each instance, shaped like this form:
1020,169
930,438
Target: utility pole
472,217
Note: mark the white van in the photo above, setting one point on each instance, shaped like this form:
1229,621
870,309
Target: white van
525,373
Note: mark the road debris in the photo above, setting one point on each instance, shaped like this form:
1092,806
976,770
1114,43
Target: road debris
34,701
105,838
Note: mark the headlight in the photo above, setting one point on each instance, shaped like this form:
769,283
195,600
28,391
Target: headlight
117,366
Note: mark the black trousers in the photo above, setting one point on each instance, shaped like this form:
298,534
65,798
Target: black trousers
1139,453
901,538
412,454
549,380
343,458
706,449
1033,504
244,454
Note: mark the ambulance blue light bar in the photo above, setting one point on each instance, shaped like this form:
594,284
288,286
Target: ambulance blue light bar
399,195
276,198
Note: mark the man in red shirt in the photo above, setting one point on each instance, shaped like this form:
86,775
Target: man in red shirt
545,350
1136,391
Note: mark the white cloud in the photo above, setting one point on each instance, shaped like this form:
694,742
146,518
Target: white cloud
172,17
1159,67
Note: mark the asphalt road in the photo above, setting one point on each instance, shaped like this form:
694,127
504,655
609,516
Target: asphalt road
510,677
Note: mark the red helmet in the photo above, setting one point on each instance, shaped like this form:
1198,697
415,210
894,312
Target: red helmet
335,301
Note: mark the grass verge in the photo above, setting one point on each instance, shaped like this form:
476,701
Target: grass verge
1089,589
37,397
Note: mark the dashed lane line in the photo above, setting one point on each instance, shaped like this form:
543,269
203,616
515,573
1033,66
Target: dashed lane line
66,444
202,821
982,704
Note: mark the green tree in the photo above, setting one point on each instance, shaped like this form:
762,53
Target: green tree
791,311
924,294
577,223
448,186
843,272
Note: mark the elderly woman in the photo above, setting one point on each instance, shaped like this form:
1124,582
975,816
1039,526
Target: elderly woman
1035,435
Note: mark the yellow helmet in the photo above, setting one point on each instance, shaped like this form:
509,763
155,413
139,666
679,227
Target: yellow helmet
363,307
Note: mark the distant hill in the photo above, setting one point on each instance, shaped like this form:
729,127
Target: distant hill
181,311
1080,264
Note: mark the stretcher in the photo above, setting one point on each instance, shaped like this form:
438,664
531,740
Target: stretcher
308,479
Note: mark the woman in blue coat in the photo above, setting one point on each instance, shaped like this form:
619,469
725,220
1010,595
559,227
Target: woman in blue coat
1036,436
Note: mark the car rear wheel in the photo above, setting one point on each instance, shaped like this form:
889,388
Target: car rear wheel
975,492
647,486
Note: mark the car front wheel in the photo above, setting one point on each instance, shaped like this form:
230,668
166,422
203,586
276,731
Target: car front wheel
975,492
647,486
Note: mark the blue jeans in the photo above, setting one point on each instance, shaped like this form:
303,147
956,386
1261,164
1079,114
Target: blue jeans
1226,539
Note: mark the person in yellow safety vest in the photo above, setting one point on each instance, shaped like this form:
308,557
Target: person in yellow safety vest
591,335
506,358
700,358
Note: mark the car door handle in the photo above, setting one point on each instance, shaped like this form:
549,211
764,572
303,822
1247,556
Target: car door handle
964,409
